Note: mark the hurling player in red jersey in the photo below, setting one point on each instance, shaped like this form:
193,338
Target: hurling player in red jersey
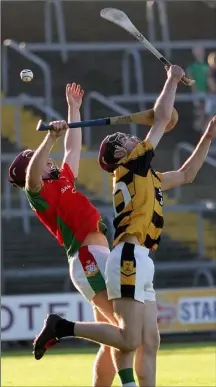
70,217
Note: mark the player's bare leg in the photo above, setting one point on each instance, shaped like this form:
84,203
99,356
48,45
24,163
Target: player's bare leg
105,307
123,362
129,314
145,364
103,369
125,338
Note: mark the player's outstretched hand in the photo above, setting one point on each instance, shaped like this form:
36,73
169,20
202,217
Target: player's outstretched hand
211,128
59,128
74,95
175,72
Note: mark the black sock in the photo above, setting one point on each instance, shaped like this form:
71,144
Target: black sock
64,328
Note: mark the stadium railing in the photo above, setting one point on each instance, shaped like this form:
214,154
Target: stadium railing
151,97
57,6
27,100
199,270
112,102
22,210
105,101
151,7
138,74
21,49
128,48
119,46
184,146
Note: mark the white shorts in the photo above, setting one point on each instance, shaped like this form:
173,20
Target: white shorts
130,273
87,270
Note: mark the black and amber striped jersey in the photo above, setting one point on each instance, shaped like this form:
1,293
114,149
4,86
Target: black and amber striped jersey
137,198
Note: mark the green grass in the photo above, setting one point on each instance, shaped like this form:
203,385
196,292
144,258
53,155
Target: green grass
178,365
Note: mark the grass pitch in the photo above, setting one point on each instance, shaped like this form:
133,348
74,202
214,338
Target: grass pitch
189,365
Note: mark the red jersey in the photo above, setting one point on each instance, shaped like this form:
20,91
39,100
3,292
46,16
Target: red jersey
66,213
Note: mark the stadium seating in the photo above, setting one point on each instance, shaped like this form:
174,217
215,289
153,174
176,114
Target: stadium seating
22,251
182,227
48,254
98,72
102,72
30,138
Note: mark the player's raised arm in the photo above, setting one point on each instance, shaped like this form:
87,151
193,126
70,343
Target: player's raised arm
164,105
40,166
73,137
188,171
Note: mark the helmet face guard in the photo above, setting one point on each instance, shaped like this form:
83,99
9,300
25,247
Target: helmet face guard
53,171
108,146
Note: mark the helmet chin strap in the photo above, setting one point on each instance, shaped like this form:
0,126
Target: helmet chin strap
54,173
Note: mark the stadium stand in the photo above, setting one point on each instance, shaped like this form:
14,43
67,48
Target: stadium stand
95,71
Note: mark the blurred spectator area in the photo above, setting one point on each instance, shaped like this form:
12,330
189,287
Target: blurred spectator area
123,79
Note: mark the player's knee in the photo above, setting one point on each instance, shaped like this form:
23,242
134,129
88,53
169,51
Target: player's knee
132,341
152,341
129,346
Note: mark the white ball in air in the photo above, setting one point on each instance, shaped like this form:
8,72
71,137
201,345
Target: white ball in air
26,75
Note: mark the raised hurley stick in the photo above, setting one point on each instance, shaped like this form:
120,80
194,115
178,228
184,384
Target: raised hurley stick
122,20
145,117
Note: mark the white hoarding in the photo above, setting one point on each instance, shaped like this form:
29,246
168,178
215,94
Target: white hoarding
22,316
